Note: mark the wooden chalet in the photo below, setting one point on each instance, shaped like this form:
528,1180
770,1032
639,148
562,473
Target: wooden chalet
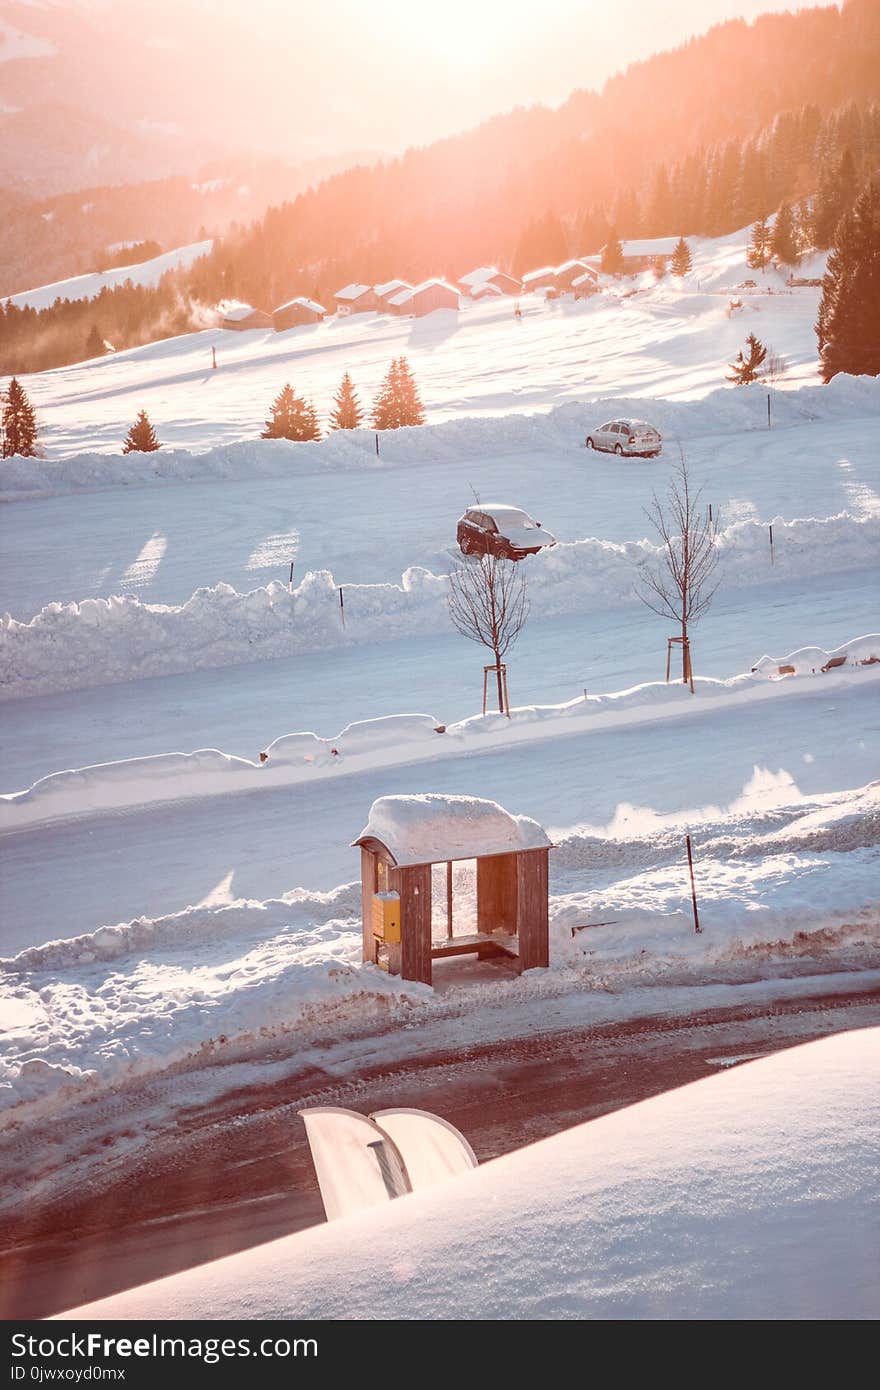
644,254
567,273
297,312
356,299
244,317
385,293
476,282
543,279
425,298
405,837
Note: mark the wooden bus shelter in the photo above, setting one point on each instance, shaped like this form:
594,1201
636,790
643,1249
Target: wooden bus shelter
403,840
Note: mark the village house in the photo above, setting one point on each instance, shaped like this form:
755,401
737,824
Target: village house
385,293
543,279
567,273
585,284
489,275
296,312
425,298
244,317
486,291
356,299
645,254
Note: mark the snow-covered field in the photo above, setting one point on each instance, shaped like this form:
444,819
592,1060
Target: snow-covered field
168,898
748,1195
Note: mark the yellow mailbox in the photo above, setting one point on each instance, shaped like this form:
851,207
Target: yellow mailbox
386,918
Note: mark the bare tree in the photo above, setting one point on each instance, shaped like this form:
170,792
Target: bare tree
488,603
775,366
681,586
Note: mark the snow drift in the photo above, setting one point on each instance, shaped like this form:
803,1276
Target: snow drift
100,641
766,1205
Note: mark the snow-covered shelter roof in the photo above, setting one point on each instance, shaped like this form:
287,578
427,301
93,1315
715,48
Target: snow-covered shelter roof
652,246
478,276
311,304
351,291
391,287
531,275
430,828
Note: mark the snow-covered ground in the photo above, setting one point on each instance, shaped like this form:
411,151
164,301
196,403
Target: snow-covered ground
662,341
162,904
88,286
748,1195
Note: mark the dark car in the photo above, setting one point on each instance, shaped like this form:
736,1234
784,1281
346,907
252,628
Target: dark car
507,532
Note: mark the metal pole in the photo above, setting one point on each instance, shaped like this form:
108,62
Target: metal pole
342,607
697,927
290,580
771,544
377,446
768,410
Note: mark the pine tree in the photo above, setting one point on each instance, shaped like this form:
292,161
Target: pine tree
19,423
141,438
397,401
347,413
746,369
95,343
293,417
612,255
849,311
758,254
681,262
782,238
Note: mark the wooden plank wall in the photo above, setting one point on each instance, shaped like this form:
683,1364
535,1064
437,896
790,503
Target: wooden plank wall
497,893
533,917
414,886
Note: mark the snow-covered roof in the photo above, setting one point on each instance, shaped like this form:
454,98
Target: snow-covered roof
428,828
537,274
568,265
652,246
478,276
486,288
352,291
391,287
311,304
761,1208
402,298
435,280
503,515
582,279
239,312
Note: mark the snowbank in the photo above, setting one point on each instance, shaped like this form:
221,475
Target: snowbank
100,641
723,411
778,875
395,740
766,1205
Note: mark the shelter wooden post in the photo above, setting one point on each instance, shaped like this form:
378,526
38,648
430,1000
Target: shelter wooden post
533,912
497,893
369,886
414,886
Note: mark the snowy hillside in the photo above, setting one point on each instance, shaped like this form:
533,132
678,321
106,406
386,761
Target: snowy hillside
88,286
663,340
171,899
748,1195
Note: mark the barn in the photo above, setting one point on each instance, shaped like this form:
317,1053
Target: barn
415,912
425,298
244,317
356,299
296,312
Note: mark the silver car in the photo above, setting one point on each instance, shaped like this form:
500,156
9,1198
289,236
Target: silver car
628,437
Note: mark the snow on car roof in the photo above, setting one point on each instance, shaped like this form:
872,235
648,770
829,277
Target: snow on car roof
428,828
508,516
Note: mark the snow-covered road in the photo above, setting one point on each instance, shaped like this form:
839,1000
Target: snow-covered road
440,675
259,845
